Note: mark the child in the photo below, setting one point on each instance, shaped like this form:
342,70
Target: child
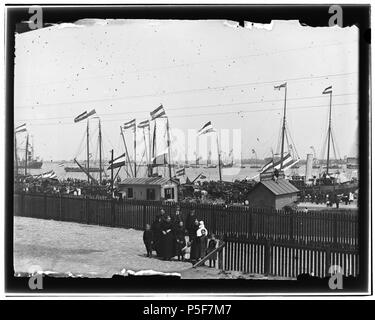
147,240
180,240
211,247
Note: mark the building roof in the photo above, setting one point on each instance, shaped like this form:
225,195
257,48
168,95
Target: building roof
279,187
146,181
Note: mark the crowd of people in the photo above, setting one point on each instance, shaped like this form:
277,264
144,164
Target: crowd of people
171,236
67,186
329,199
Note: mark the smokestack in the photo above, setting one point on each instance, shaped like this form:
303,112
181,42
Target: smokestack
309,163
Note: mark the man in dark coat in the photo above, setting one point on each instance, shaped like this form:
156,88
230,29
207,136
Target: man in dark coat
190,225
167,241
194,242
156,232
177,218
179,233
147,240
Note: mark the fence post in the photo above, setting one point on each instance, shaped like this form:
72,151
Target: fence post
144,216
60,207
291,236
335,230
22,204
328,261
267,257
113,215
45,206
86,209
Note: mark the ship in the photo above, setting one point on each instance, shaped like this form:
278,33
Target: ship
29,161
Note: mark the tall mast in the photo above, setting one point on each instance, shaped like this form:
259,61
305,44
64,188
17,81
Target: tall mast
88,151
135,150
100,152
169,151
26,155
329,129
283,130
126,152
218,153
112,173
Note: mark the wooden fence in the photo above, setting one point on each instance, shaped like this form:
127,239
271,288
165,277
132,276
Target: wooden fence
256,240
287,258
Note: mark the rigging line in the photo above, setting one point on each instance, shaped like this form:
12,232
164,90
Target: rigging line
139,72
186,90
194,107
207,114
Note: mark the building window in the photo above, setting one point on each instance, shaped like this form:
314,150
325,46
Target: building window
130,193
169,193
150,194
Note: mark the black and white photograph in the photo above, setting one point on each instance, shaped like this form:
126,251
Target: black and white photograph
199,149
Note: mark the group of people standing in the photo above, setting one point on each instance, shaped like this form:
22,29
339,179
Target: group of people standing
171,236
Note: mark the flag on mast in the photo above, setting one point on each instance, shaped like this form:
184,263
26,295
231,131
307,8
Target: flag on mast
159,112
280,86
144,124
21,128
180,172
117,163
207,128
84,115
129,124
327,90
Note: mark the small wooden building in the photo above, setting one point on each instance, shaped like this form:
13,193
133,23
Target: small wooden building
274,194
151,188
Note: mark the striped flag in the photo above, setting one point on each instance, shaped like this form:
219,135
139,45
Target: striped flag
144,124
202,176
61,164
21,128
280,86
129,124
207,128
158,113
180,172
327,90
118,162
84,115
287,162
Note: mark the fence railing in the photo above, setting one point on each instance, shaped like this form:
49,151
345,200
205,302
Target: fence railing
287,259
330,226
257,241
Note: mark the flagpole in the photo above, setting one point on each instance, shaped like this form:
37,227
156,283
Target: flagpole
149,152
144,139
329,129
100,153
126,152
112,173
27,147
88,152
283,131
218,153
169,151
135,150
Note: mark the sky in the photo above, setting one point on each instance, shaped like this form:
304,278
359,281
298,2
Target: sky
200,71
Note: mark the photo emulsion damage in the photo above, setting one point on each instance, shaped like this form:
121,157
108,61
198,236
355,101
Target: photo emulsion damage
196,149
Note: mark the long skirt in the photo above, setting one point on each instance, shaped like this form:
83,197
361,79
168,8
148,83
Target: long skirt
167,247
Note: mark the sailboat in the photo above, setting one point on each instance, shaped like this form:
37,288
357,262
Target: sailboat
86,168
287,158
30,161
229,164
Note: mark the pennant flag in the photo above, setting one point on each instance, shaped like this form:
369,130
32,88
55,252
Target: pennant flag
207,128
144,124
180,172
158,113
287,161
117,163
46,175
280,86
84,115
327,90
21,128
129,124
